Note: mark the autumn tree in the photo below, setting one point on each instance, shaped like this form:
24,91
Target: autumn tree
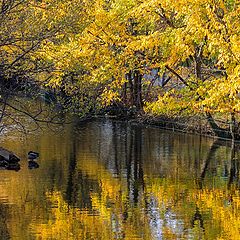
200,40
95,53
26,26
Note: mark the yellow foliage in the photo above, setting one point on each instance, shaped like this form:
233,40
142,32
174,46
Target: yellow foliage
102,41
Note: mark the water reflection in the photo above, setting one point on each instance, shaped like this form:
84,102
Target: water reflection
112,180
3,224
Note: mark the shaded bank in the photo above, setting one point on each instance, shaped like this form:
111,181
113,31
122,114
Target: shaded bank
203,125
42,105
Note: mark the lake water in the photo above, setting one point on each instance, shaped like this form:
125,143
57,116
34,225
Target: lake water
111,180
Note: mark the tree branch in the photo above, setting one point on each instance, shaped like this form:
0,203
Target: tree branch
178,76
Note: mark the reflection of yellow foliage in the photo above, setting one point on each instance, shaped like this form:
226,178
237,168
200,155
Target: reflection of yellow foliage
112,199
106,218
224,209
111,187
72,223
103,221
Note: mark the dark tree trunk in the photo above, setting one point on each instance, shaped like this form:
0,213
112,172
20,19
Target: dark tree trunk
130,83
124,93
197,67
218,131
234,166
137,77
234,128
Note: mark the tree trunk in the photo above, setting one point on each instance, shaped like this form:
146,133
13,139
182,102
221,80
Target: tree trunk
197,67
234,166
234,129
218,131
137,77
130,82
124,94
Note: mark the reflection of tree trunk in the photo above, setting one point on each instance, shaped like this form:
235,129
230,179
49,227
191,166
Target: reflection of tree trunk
234,171
127,159
138,171
129,162
115,148
134,165
4,233
70,191
197,217
210,155
137,155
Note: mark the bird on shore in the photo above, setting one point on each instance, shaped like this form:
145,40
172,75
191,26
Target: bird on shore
32,155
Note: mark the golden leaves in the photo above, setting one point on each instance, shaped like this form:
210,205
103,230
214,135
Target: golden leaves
106,40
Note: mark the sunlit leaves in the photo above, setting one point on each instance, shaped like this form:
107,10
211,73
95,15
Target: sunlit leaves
99,42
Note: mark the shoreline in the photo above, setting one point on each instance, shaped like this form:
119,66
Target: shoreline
188,125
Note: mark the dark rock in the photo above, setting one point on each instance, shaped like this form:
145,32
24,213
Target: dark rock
13,158
15,167
8,156
32,155
3,164
32,164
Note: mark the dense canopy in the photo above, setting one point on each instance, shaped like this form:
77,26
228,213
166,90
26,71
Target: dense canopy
158,57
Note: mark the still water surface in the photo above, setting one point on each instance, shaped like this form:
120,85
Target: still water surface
111,180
